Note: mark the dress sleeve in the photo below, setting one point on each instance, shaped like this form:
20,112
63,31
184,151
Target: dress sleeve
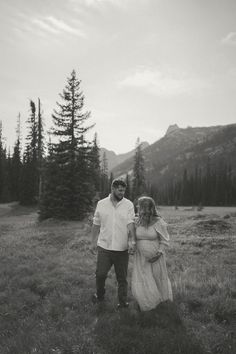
161,229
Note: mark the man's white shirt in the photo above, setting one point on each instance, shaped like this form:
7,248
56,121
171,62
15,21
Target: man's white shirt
113,221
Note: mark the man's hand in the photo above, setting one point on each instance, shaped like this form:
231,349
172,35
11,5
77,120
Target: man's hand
95,233
93,248
156,257
131,247
131,239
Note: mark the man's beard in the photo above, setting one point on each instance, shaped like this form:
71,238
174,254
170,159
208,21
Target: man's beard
118,199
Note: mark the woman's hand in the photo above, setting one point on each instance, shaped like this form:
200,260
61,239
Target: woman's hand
156,257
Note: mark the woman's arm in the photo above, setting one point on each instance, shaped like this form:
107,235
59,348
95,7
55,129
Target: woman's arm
156,257
163,236
162,232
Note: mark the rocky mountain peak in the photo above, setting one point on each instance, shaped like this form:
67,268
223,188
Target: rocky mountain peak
172,128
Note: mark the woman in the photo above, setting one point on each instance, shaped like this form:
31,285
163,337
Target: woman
150,283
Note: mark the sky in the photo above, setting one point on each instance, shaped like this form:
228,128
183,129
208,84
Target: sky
143,64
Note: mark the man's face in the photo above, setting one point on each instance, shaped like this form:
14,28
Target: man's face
118,192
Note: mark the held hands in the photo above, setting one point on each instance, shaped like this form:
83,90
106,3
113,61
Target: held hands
131,247
156,257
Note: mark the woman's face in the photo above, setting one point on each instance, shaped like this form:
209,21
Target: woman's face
144,208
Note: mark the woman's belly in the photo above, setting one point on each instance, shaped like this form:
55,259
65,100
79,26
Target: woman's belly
148,248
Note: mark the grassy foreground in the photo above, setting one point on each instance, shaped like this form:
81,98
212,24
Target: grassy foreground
47,279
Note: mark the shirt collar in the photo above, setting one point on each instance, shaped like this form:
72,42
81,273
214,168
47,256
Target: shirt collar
110,198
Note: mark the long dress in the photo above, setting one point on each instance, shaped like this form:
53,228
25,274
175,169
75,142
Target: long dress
150,283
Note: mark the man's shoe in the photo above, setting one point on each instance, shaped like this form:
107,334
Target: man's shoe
122,305
96,299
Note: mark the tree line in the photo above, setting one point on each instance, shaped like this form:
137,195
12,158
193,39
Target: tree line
213,186
65,176
20,172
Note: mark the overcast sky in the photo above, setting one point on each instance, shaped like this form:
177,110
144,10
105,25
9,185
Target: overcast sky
144,64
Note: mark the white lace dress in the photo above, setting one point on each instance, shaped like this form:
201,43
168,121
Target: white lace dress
150,284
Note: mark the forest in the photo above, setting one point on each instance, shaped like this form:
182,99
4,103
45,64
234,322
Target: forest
62,172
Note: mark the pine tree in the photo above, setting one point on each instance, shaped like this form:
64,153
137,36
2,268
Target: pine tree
128,192
40,149
229,185
95,169
51,175
1,163
68,192
104,177
4,171
16,164
111,178
139,183
29,177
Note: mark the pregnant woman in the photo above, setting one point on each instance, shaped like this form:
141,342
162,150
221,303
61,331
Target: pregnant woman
150,283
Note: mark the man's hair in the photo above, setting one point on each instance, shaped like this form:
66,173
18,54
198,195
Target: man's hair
118,182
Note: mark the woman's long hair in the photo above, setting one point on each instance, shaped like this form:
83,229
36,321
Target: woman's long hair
147,211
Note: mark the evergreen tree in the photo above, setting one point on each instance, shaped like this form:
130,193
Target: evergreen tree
4,171
16,164
40,149
95,169
104,176
184,187
50,193
229,185
30,177
111,178
139,183
215,186
2,180
207,185
128,192
68,192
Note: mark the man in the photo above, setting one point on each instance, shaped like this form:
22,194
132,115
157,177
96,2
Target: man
113,229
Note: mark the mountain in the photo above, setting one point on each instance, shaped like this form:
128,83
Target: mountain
113,159
188,148
172,128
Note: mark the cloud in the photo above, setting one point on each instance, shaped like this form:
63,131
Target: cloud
161,84
45,26
97,3
60,25
55,26
230,39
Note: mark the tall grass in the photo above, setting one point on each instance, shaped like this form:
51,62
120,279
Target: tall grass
47,280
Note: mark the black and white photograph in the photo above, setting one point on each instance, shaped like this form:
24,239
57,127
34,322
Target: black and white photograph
118,176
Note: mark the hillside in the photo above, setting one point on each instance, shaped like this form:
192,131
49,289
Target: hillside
187,149
114,159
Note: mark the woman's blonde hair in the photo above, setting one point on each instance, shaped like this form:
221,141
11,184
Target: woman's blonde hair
146,211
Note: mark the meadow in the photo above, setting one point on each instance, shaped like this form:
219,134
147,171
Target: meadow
47,278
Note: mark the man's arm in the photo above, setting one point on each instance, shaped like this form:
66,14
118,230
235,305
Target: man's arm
95,233
95,227
132,238
131,230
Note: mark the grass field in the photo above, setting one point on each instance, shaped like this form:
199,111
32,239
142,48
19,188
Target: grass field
47,279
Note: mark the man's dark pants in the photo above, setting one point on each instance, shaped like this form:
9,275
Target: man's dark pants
105,260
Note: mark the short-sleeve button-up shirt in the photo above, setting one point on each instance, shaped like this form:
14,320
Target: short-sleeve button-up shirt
113,221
